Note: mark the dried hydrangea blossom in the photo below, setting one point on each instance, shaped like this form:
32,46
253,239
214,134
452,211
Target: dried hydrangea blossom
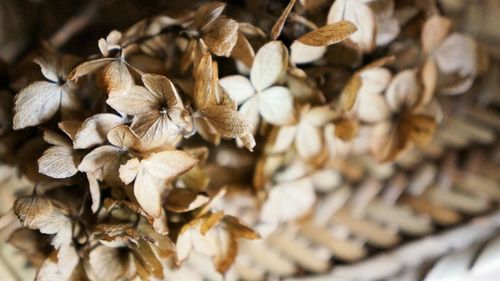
140,168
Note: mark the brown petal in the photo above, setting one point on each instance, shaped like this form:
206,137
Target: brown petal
389,141
243,51
203,82
88,67
278,25
240,229
350,93
117,78
422,129
221,36
207,13
182,200
225,247
329,34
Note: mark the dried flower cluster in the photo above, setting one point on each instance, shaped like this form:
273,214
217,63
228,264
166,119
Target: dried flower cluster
136,152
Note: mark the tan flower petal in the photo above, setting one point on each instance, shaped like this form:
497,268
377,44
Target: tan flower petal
329,34
269,65
299,194
163,89
191,238
278,25
371,104
243,51
350,92
138,101
129,171
70,127
225,246
48,63
389,141
95,192
58,162
154,128
107,263
403,90
184,200
283,139
98,158
169,164
94,130
207,13
422,129
276,106
227,121
434,31
117,78
148,191
123,137
319,115
203,83
239,87
36,104
357,12
88,67
221,36
308,141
